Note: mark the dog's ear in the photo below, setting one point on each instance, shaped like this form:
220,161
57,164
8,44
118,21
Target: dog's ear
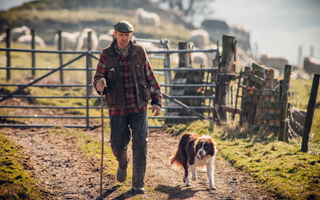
190,151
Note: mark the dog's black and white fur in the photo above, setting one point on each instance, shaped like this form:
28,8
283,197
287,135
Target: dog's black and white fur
195,151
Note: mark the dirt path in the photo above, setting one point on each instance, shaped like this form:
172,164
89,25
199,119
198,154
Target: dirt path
65,172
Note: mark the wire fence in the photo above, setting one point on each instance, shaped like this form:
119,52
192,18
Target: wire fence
297,116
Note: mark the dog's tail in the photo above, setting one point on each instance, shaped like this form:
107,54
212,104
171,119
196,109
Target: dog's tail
175,160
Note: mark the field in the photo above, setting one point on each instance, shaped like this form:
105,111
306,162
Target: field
281,168
51,163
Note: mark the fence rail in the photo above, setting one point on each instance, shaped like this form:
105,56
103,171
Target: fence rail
88,55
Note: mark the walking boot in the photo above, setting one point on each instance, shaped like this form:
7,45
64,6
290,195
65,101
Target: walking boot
139,170
121,155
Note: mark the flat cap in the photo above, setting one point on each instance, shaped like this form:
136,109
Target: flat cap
123,27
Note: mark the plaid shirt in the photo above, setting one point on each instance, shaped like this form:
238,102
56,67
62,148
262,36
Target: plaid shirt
128,82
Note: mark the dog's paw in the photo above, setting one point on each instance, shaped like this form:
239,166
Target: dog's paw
188,184
212,188
194,178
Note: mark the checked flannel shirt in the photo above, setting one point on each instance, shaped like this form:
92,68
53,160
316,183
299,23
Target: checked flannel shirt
129,87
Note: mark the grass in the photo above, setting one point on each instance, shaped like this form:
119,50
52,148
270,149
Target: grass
280,167
15,181
47,22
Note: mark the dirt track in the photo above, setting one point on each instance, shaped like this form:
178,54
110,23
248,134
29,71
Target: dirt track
65,172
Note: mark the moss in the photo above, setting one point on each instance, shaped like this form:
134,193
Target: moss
15,182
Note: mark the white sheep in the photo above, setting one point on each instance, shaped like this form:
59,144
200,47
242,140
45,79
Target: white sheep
148,46
69,40
83,39
104,41
200,38
148,18
311,65
17,32
276,62
26,39
3,37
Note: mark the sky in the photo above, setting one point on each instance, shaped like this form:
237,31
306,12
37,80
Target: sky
278,27
6,4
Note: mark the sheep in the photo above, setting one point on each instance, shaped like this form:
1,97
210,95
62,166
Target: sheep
148,46
69,40
26,39
200,58
84,37
200,38
311,65
148,18
104,41
17,32
3,37
276,62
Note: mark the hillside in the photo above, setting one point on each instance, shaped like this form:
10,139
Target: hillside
48,16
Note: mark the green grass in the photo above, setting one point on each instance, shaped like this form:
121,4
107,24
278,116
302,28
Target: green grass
100,19
15,181
280,167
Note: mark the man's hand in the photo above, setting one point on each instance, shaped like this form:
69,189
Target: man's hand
101,84
156,108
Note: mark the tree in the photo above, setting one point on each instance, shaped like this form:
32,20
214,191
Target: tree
189,8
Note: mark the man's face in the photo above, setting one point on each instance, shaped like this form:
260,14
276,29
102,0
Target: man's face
123,39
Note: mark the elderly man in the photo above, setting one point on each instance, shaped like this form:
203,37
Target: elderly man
130,84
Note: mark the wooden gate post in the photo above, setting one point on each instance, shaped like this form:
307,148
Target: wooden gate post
183,57
310,112
227,58
33,54
283,135
8,45
60,54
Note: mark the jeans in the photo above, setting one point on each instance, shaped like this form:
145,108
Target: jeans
120,137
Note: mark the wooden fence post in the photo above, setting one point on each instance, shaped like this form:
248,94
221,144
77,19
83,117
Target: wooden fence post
310,112
89,40
245,73
283,135
228,48
183,57
8,45
60,54
33,46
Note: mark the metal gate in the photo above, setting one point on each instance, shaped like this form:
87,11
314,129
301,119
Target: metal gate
167,69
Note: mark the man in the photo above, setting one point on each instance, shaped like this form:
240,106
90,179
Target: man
130,80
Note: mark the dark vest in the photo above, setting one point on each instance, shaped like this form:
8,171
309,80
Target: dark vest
115,96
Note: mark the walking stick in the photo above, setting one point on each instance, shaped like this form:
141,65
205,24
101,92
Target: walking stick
103,80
